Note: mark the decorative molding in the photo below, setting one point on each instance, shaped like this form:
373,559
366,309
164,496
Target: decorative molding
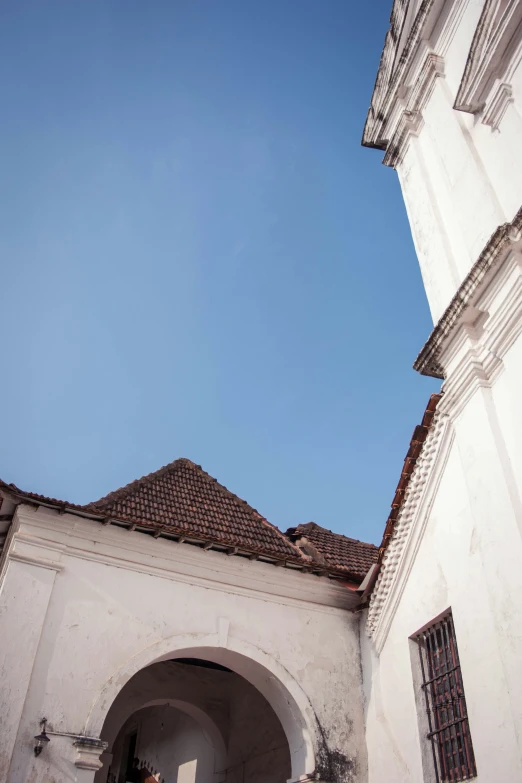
340,599
23,539
409,529
500,24
475,369
223,629
411,120
501,98
504,325
118,548
19,557
451,24
391,72
89,752
174,533
475,355
428,362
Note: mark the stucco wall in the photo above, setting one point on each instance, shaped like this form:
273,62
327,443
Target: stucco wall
468,560
459,548
459,543
461,178
507,394
119,600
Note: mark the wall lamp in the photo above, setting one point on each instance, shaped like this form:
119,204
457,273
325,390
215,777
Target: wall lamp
41,739
89,748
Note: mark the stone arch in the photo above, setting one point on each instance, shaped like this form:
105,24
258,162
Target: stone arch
272,680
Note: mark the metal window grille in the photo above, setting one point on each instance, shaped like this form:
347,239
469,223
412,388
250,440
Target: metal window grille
448,724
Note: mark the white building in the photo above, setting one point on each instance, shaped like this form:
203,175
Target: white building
171,622
108,612
447,111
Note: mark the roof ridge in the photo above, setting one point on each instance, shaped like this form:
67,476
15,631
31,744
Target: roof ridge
127,489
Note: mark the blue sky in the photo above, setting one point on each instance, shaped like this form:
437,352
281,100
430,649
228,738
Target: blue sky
198,257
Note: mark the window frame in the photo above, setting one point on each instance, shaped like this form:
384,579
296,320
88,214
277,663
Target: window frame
444,701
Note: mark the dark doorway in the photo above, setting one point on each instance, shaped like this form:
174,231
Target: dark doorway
131,754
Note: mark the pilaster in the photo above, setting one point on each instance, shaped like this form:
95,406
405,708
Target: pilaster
29,576
474,362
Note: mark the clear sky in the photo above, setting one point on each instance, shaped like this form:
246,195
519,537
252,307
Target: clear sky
199,259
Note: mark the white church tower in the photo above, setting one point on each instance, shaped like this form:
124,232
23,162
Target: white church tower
443,667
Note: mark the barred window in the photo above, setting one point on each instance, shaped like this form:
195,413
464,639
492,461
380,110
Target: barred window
445,702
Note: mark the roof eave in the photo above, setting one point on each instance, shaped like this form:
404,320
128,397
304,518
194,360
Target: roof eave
181,536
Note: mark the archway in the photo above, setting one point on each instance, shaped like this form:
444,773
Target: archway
283,696
120,724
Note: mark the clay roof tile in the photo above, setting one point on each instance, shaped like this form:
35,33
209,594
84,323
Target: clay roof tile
340,552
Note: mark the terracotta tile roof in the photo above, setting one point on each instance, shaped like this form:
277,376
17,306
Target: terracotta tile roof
416,443
183,499
420,434
334,550
61,504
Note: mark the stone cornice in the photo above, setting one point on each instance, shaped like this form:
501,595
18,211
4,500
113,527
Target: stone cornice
43,532
500,99
474,356
498,27
40,562
496,250
390,74
411,120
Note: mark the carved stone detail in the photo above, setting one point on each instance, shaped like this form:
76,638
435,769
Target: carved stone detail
411,120
498,23
498,105
428,361
89,752
392,68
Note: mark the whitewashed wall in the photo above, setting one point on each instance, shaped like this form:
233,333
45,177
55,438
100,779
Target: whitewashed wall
458,540
463,552
86,606
461,178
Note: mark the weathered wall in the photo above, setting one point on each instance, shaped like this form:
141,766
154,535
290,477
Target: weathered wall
121,600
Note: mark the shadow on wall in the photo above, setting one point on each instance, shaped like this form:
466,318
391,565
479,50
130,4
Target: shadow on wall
264,673
219,728
143,772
